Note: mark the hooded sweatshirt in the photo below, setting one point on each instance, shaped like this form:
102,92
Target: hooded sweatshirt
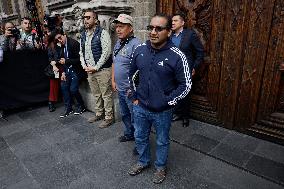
164,76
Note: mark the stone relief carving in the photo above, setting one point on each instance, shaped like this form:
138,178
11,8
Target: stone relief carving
79,25
73,22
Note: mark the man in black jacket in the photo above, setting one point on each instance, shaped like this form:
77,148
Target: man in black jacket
72,72
164,79
189,43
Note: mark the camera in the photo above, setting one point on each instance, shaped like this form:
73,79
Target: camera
15,33
52,22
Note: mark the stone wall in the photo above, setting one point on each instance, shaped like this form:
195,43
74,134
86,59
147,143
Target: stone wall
143,11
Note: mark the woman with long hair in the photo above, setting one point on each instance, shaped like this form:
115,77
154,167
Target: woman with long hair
54,82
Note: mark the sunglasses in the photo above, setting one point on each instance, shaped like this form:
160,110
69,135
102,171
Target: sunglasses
86,17
157,28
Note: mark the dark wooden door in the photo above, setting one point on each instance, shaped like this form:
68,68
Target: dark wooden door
240,84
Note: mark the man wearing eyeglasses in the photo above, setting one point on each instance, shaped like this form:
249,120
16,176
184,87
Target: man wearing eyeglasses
95,50
164,79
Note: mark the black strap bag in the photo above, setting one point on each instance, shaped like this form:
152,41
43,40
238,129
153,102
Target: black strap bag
48,71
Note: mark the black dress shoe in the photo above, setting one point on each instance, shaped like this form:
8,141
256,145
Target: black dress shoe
51,107
185,122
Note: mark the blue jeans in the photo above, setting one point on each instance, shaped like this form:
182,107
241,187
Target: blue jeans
126,114
70,89
143,120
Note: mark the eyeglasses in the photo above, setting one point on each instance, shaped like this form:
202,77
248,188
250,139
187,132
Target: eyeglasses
157,28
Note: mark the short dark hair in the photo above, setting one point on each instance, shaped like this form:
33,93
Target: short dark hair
26,18
92,11
181,15
55,32
168,18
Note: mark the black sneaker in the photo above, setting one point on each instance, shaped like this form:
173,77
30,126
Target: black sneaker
79,110
66,113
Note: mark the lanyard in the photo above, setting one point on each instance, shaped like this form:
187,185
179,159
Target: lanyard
66,51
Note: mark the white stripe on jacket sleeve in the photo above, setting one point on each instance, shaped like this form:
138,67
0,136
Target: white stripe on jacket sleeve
186,71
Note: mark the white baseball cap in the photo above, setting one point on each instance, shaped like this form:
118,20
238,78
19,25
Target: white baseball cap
125,19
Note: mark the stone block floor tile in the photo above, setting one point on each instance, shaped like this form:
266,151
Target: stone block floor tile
229,176
26,183
181,134
241,141
267,168
37,120
270,151
3,144
186,163
231,154
59,176
83,182
9,120
61,136
7,157
94,160
103,135
48,128
200,142
21,137
13,128
32,146
75,149
11,173
29,114
37,163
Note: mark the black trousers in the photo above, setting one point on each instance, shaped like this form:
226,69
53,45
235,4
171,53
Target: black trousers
182,110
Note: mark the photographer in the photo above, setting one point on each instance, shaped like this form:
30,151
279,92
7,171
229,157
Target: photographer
9,41
53,21
28,38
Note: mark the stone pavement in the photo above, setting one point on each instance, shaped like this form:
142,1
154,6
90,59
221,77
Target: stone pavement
40,150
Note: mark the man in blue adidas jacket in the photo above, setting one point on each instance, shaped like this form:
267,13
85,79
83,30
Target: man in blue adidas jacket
164,79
